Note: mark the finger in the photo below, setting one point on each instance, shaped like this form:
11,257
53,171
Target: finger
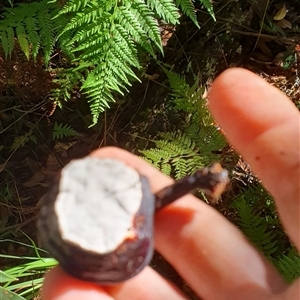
264,126
146,285
206,249
59,286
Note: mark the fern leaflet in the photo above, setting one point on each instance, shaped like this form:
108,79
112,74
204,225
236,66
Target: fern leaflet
288,266
188,8
254,226
60,131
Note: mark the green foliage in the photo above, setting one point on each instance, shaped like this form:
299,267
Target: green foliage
66,80
193,146
8,295
60,131
208,5
257,218
26,278
187,6
101,38
289,266
31,24
104,43
175,152
21,140
198,140
255,226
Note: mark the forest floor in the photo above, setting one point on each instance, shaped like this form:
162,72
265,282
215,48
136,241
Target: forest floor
31,156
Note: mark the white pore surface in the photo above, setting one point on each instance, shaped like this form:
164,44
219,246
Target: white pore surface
97,201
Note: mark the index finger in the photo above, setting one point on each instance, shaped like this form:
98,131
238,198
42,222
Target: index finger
264,126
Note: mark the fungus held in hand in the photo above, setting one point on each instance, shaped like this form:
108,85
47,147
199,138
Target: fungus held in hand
97,220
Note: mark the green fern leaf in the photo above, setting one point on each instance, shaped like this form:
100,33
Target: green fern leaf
177,83
46,35
33,36
288,266
10,39
5,45
208,5
22,39
149,24
91,14
60,131
157,157
33,27
174,153
125,46
19,141
254,226
71,6
166,169
166,9
129,21
103,40
188,8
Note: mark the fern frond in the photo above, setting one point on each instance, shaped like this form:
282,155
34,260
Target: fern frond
20,141
158,157
104,38
165,9
128,20
166,169
22,39
177,83
85,35
174,153
66,79
200,142
32,32
90,14
125,46
188,9
288,266
149,24
7,40
254,226
71,6
60,131
32,26
208,5
47,35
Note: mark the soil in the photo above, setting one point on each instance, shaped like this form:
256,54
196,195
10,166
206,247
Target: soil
30,157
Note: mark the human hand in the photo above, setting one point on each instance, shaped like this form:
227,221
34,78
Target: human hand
210,253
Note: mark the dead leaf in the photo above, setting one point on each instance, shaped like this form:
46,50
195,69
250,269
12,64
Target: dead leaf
64,147
32,164
264,48
34,180
52,163
281,13
2,167
284,24
151,77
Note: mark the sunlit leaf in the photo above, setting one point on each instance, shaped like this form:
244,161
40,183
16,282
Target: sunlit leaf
6,278
281,13
8,295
